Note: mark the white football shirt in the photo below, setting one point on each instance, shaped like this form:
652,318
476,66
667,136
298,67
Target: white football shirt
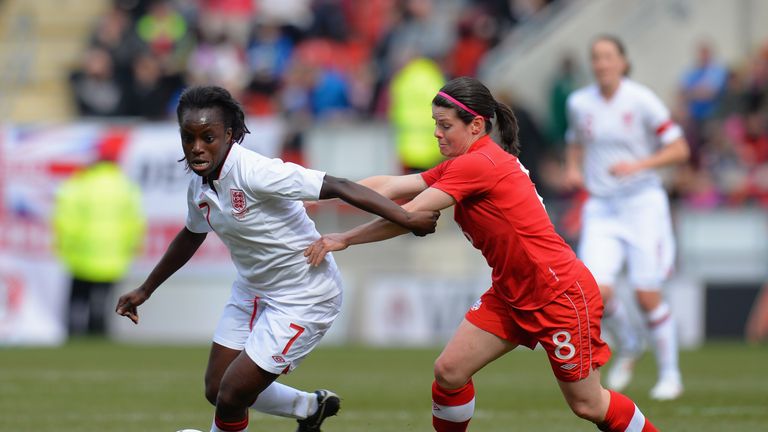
630,126
254,207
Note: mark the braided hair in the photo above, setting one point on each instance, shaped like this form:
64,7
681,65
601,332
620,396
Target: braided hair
199,97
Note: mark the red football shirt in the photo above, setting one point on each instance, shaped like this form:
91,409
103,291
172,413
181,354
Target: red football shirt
501,214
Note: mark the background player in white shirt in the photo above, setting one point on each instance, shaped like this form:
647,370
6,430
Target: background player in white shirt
619,133
280,307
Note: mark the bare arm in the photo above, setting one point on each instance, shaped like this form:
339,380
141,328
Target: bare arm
673,153
421,223
181,249
396,187
574,156
429,200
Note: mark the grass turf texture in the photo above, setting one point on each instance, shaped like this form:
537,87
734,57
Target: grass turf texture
96,385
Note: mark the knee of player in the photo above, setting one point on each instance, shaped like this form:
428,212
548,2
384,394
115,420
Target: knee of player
648,300
230,396
211,392
587,409
448,374
227,398
211,389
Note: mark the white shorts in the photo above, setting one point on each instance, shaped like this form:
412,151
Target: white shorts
276,336
634,229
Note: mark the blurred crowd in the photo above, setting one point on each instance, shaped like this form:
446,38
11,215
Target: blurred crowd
321,60
306,60
725,112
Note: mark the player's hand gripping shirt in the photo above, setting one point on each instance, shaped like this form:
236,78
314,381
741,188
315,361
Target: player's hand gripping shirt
255,210
501,214
630,126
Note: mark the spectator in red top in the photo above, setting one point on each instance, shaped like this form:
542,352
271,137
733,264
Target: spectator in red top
475,31
541,293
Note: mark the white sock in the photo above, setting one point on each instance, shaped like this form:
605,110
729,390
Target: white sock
662,327
454,414
284,401
618,322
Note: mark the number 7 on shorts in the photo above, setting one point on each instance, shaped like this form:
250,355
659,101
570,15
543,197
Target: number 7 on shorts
299,330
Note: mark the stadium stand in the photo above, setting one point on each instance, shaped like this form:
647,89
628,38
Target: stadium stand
40,43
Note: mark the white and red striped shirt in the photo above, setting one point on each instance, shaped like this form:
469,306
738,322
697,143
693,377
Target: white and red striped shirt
630,126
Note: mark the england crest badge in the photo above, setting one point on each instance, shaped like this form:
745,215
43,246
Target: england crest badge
239,205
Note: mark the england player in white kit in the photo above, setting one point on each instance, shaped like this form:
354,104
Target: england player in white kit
619,133
279,307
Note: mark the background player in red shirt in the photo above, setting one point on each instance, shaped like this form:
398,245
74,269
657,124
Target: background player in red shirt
541,293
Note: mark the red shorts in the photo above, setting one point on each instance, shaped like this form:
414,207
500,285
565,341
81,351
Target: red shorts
568,327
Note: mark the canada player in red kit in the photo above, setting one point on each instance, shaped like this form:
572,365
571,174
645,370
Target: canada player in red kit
541,293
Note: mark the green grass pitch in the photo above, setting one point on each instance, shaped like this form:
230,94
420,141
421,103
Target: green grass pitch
97,385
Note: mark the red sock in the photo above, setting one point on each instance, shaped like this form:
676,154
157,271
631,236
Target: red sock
236,426
624,416
452,409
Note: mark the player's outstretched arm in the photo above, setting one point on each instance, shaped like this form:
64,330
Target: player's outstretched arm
396,187
430,200
419,222
181,249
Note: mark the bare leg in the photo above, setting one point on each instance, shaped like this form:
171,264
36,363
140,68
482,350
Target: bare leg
587,398
609,410
468,351
241,384
757,324
453,393
219,360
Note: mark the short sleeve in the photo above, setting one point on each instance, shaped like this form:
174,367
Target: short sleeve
197,213
657,119
433,174
277,179
466,176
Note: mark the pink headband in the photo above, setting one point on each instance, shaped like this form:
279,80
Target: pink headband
459,104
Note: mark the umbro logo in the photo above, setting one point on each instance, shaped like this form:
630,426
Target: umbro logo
568,366
278,359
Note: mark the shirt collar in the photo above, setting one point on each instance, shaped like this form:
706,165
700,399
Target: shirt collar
480,143
229,162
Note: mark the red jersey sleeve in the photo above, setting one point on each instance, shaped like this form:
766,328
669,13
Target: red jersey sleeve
433,174
467,175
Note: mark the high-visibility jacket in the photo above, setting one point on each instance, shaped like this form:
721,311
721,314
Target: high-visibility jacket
98,223
411,93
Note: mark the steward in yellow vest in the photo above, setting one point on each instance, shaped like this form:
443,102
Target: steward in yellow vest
98,226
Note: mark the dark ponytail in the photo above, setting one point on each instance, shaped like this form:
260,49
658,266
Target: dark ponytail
476,97
506,124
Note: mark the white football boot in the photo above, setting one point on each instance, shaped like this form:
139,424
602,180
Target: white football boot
668,387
